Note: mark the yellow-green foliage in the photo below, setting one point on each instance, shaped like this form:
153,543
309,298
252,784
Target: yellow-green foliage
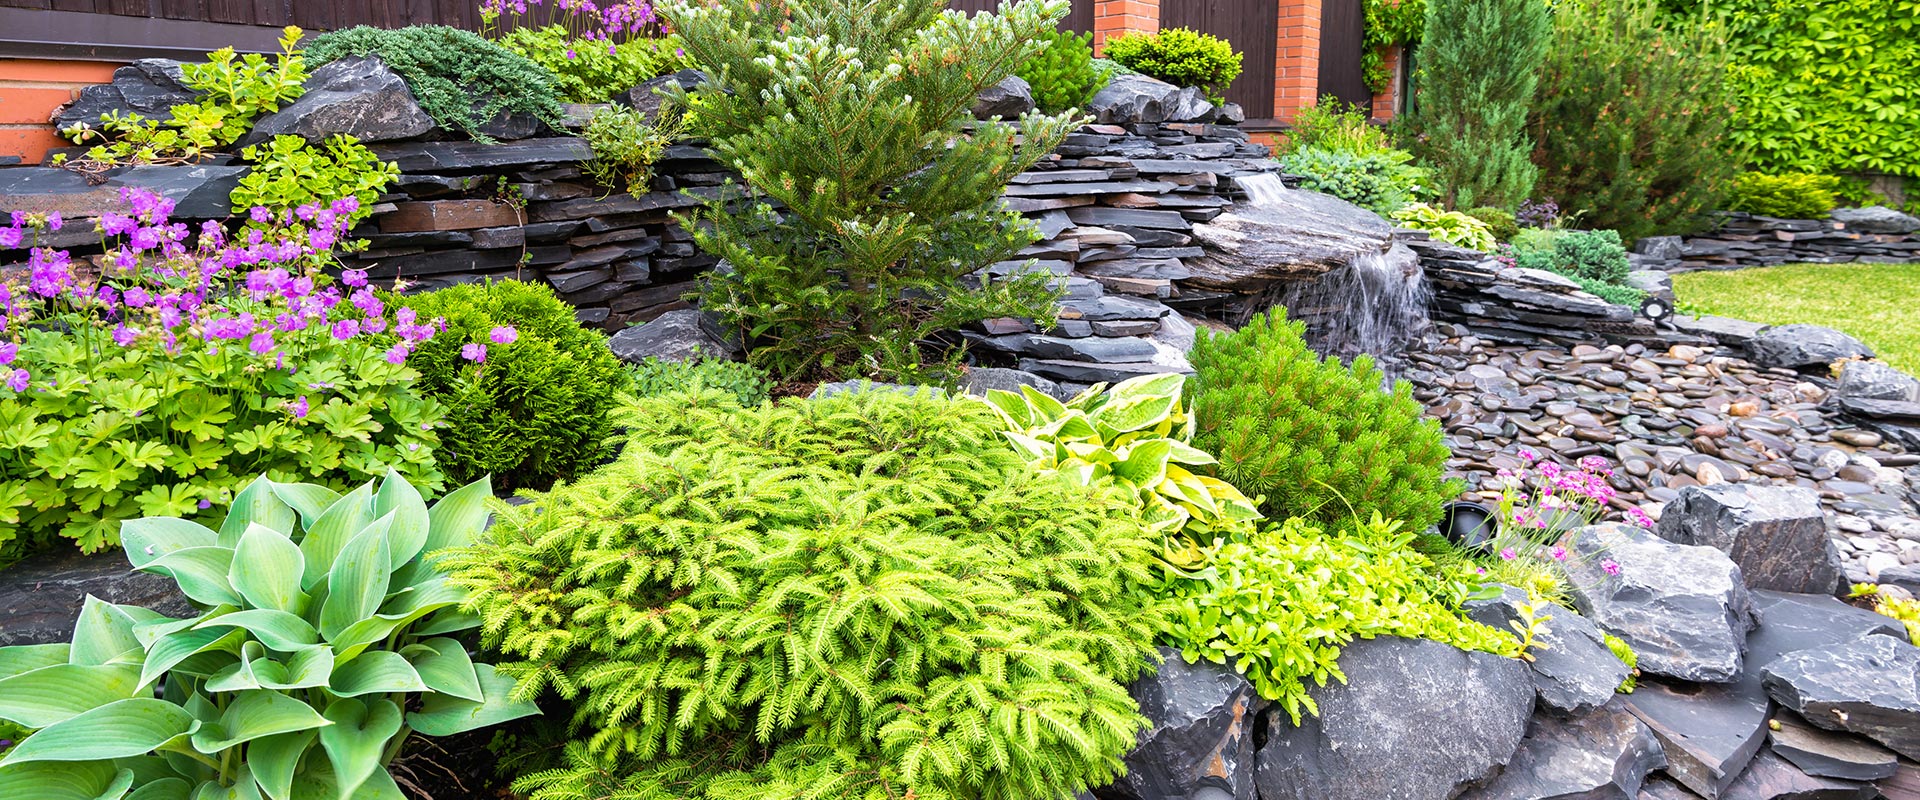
1315,438
1135,435
1062,76
1787,196
1453,227
1624,652
866,596
1178,56
1280,606
593,71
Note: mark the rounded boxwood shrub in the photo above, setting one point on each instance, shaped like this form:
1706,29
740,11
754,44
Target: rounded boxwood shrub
1315,438
789,600
536,409
1180,57
1787,196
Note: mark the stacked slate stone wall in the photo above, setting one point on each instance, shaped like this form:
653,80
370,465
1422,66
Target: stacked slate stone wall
1515,305
1871,235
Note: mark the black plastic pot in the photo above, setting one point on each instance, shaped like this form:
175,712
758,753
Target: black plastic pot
1467,524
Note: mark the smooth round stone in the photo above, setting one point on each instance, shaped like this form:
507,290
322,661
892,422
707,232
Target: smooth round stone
1857,437
1712,431
1562,444
1641,468
1593,434
1851,524
1611,378
1773,469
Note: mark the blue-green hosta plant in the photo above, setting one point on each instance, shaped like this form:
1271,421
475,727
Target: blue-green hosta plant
1135,434
324,642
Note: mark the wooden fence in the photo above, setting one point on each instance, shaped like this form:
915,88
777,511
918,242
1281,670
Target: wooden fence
1341,33
1250,26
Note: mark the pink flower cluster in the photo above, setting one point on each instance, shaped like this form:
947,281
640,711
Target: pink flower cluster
611,22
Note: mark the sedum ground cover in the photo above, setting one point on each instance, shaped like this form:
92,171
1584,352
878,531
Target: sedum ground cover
1873,302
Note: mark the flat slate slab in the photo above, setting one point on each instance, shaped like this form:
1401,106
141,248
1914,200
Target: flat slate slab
1709,731
1771,777
1869,686
1607,753
1829,754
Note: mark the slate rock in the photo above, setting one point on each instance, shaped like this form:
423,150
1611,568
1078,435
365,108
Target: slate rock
1660,787
1605,754
1710,732
199,191
1231,114
981,380
1776,534
1008,99
1416,720
650,96
1905,576
1573,671
1203,719
358,96
1789,623
1297,236
682,335
1190,105
1662,248
148,87
1133,98
1656,284
1876,219
1685,609
1869,686
1771,777
1875,380
1085,372
1829,754
1803,346
1096,349
42,596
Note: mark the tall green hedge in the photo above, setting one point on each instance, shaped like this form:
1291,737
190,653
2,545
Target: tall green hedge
1828,86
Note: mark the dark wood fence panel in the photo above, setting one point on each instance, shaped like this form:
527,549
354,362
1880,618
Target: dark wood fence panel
311,14
1342,32
1079,17
1251,25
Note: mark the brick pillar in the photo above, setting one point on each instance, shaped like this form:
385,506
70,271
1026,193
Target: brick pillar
1114,17
1386,102
1297,64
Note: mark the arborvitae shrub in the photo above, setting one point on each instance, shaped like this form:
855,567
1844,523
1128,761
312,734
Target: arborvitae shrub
1062,76
460,79
1788,196
536,409
867,596
1318,439
1479,61
1179,56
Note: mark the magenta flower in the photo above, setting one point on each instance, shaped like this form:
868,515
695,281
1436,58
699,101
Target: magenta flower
8,351
1559,554
1610,566
474,351
346,329
18,380
397,354
204,504
123,335
504,334
354,277
299,407
1507,554
261,342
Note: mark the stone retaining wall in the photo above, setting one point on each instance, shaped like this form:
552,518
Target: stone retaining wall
1873,235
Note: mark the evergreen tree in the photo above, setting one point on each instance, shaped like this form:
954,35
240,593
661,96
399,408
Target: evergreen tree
1479,64
872,200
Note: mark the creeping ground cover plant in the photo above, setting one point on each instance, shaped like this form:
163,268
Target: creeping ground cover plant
324,642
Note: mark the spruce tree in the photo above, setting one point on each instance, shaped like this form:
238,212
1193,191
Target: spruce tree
874,196
1479,64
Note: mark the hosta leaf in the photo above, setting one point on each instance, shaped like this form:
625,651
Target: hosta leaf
375,672
357,583
243,788
276,629
255,714
1184,453
273,760
163,789
411,522
1012,409
27,657
201,572
447,620
457,517
146,540
53,780
335,527
307,668
1135,413
116,730
48,695
1143,463
150,631
445,715
170,650
104,631
256,505
445,667
306,499
354,741
1159,384
266,570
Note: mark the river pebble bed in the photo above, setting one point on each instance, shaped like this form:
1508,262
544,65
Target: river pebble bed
1686,415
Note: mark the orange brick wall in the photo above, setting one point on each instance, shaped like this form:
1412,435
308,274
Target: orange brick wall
1297,63
1114,17
1385,102
30,90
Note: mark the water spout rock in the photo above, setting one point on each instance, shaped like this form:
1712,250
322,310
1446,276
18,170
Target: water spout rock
1288,235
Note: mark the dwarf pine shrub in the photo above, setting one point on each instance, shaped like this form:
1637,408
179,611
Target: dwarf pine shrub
1316,438
864,596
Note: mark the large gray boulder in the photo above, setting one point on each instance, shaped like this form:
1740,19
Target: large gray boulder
1416,720
980,380
1875,380
147,88
1803,347
1790,623
41,597
1202,735
1573,670
1008,99
1605,754
1133,98
1869,686
1684,609
1776,534
1876,219
682,335
1710,732
1295,236
358,96
1190,104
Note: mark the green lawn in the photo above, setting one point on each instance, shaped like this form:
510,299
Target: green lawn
1878,303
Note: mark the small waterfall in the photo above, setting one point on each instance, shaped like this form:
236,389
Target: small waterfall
1263,189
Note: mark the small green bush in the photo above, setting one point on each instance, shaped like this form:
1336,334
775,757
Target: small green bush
460,79
1380,182
593,71
1315,438
1281,606
1788,196
652,378
1596,260
288,173
1179,56
866,596
1453,227
536,408
1062,76
1337,127
625,148
1499,221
